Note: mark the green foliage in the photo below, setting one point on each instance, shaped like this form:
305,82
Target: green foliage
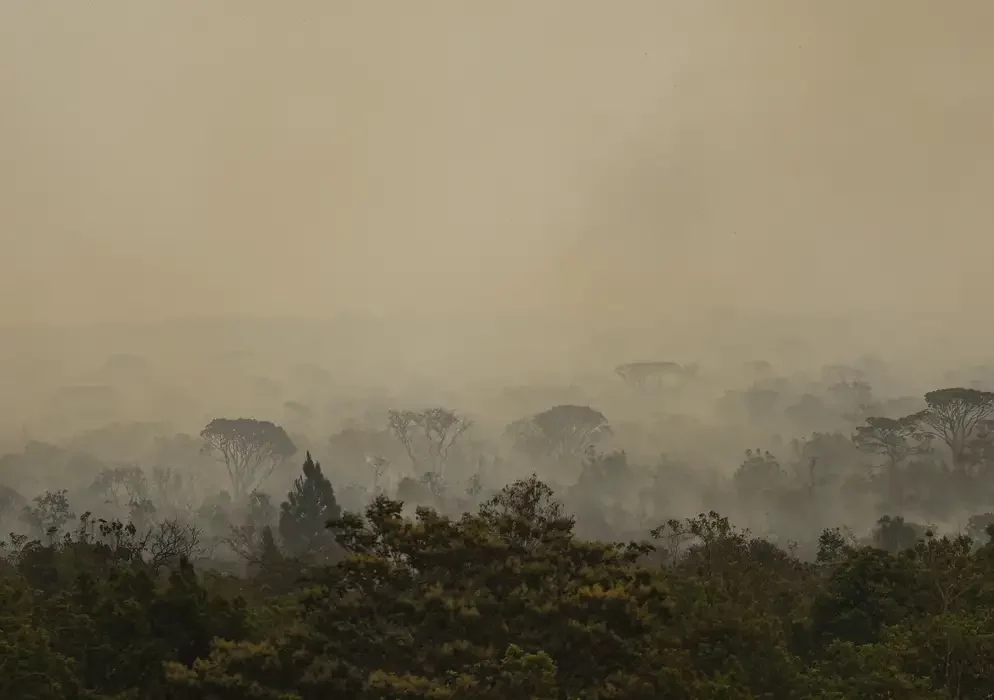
106,628
506,603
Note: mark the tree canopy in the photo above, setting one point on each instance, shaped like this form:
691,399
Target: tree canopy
504,603
250,449
560,432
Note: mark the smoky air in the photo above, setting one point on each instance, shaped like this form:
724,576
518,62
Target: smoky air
341,344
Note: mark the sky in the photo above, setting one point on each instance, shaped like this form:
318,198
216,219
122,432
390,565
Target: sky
644,159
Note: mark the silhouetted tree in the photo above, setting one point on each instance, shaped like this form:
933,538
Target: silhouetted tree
250,449
893,440
526,513
560,432
48,513
428,435
304,516
951,416
121,485
248,539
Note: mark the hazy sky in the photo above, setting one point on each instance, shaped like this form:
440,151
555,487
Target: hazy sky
640,156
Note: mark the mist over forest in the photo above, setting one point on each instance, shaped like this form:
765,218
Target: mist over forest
520,350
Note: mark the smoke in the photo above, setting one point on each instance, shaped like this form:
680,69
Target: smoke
648,162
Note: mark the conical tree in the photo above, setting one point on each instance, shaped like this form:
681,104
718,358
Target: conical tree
305,514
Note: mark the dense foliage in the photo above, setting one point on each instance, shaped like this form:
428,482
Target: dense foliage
504,603
436,578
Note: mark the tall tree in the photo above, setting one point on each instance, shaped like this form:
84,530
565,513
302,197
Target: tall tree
304,516
526,513
893,440
428,435
952,415
560,432
250,449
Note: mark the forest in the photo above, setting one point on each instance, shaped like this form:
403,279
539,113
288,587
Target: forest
567,350
659,530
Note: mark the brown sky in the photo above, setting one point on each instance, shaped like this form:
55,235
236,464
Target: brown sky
638,157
